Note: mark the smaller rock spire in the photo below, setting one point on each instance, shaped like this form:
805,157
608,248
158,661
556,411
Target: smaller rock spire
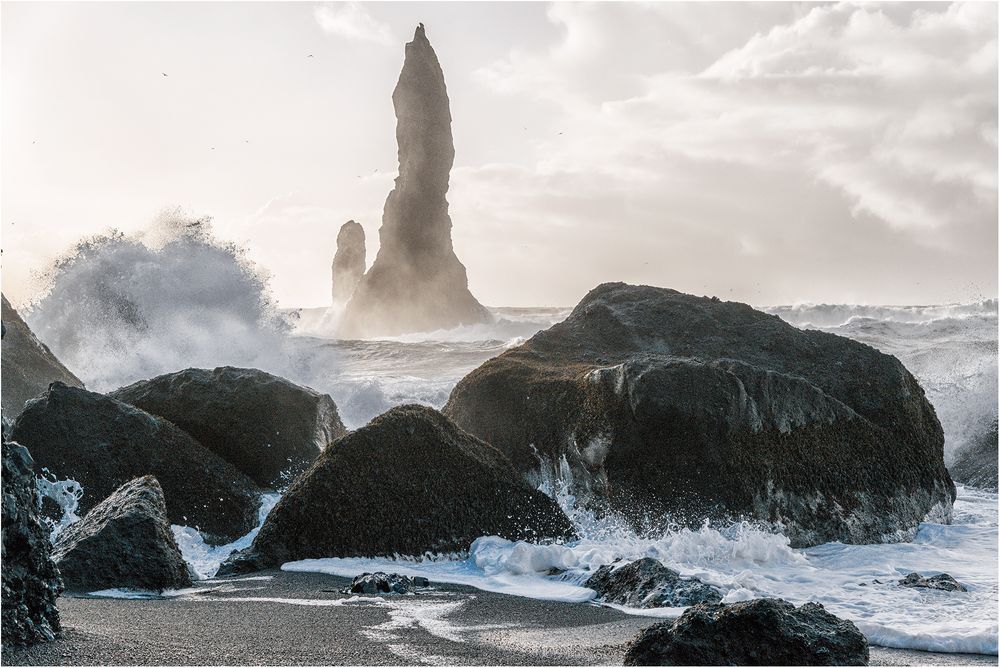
348,262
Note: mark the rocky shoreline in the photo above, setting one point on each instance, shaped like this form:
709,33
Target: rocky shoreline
281,618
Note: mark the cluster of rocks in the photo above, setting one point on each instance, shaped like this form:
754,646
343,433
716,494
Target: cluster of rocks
662,404
762,632
376,584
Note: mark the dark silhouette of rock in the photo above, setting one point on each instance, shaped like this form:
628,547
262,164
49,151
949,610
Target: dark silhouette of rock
376,584
407,483
941,582
103,444
27,366
647,583
665,404
976,463
267,427
416,282
124,541
30,581
348,262
762,632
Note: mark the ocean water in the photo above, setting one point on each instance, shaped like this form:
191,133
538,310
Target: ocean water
152,319
952,349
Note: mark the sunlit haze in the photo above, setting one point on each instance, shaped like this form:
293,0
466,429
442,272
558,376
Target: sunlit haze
768,153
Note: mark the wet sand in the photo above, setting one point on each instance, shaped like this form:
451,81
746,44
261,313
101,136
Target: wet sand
303,619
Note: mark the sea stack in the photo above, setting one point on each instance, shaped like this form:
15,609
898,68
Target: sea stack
416,282
349,262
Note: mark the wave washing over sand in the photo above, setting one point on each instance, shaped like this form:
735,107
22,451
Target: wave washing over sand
857,582
119,309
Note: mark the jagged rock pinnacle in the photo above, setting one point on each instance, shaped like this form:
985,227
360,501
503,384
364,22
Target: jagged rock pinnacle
416,282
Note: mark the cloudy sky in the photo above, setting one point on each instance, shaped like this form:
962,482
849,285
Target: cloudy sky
770,153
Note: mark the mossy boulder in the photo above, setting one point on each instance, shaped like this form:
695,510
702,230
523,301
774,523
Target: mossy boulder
408,483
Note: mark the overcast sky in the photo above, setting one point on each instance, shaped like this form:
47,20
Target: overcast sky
770,153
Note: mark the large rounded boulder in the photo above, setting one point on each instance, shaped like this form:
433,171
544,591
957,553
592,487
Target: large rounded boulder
407,483
30,580
269,428
663,404
124,541
103,444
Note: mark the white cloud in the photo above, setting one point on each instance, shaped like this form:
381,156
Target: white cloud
772,141
894,106
352,21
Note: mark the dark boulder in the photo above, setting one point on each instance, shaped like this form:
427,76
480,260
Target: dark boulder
27,365
267,427
976,463
30,581
124,541
102,444
647,583
407,483
375,584
669,405
941,582
762,632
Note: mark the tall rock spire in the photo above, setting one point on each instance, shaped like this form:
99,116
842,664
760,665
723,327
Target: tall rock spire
417,282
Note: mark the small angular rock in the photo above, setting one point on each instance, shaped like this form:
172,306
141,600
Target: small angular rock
647,583
942,582
374,584
124,541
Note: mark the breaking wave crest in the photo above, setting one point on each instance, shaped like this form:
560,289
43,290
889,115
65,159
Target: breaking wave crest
119,307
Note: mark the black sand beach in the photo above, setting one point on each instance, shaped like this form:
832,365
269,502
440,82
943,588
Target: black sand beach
302,619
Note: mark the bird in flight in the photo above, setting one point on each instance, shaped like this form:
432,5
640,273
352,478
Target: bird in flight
309,56
163,73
